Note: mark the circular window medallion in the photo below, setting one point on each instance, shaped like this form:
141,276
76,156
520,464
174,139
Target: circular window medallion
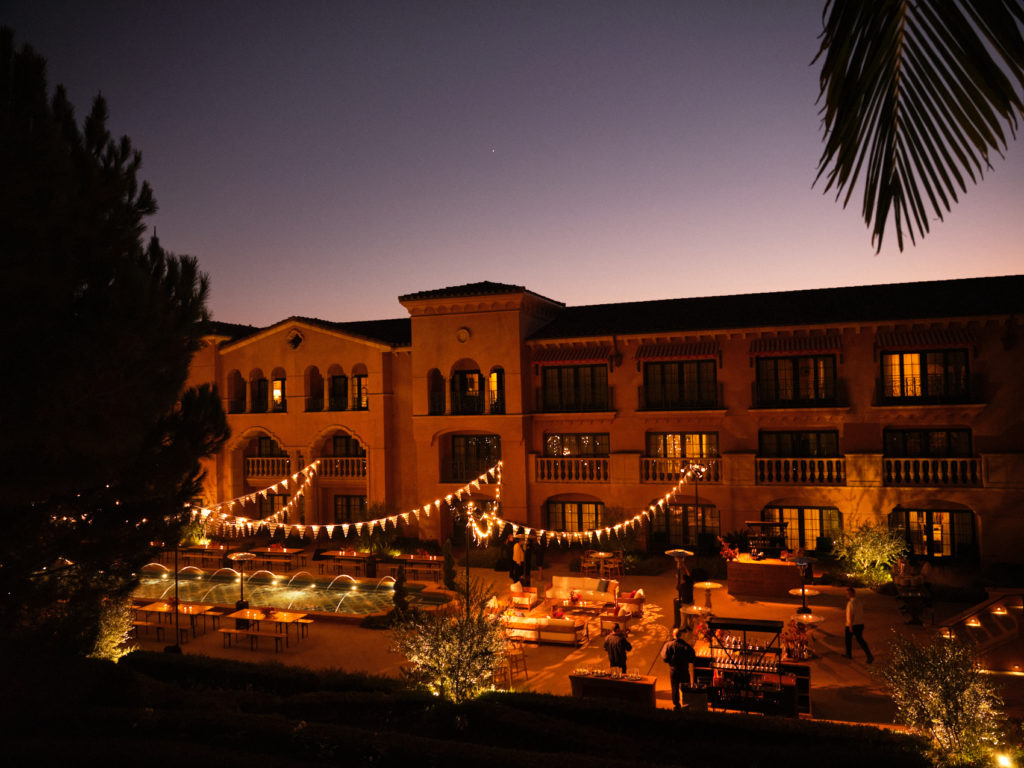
463,334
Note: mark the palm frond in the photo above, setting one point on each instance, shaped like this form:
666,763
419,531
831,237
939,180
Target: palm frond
916,96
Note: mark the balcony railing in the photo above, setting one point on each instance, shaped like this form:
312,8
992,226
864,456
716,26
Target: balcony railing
833,396
801,471
572,470
467,405
579,402
899,471
315,403
343,466
652,399
435,403
669,470
268,466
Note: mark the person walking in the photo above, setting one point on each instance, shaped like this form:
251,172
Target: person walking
679,655
855,625
616,645
518,560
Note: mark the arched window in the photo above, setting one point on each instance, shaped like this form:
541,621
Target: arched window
259,388
936,533
496,390
467,388
236,392
278,396
808,526
337,399
360,392
435,393
314,389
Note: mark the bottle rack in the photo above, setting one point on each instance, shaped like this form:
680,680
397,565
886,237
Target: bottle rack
746,660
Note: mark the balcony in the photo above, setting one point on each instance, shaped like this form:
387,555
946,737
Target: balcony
572,470
464,404
932,472
767,397
342,466
314,403
580,402
268,466
669,470
650,399
796,471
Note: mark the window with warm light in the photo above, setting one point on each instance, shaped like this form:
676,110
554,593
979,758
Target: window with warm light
467,392
937,533
574,515
360,393
682,445
278,403
806,524
576,444
496,391
932,376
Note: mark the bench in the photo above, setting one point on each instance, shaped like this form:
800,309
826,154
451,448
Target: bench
137,625
253,636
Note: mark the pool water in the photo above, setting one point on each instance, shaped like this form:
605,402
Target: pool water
341,595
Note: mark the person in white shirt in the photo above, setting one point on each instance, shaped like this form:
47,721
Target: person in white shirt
855,624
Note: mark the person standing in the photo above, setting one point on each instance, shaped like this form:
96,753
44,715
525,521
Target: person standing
616,645
679,655
518,560
855,624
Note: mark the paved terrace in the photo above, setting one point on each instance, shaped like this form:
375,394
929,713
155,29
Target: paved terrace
842,689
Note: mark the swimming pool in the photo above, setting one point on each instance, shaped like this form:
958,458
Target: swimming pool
263,589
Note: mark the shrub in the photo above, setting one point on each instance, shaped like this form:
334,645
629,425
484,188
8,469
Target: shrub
868,553
939,689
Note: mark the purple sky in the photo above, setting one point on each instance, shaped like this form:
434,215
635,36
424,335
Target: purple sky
321,158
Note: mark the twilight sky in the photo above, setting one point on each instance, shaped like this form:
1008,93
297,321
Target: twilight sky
322,158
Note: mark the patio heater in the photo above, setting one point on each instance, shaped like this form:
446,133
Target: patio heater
240,558
803,563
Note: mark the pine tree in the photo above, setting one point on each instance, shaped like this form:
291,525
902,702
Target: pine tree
101,440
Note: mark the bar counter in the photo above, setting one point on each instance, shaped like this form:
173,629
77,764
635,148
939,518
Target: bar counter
770,577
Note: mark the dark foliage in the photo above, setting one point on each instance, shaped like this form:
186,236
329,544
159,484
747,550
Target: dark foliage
177,708
100,439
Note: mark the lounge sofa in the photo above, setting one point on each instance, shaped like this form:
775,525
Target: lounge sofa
586,588
523,597
542,629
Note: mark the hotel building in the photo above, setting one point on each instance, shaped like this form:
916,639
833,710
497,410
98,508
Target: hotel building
827,409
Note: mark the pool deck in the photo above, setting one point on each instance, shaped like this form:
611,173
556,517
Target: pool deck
845,690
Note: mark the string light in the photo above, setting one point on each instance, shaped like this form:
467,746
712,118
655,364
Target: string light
236,523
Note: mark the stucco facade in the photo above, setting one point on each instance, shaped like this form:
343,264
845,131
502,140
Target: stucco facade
827,409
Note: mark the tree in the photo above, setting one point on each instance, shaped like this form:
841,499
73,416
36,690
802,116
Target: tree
939,689
869,552
453,651
101,440
916,95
